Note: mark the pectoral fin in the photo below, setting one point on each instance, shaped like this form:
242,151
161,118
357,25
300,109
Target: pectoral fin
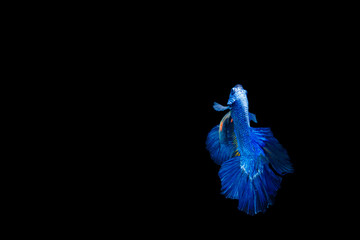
219,107
252,117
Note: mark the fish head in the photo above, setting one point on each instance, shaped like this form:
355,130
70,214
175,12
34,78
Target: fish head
238,93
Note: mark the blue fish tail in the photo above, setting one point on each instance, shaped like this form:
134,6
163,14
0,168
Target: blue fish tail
255,192
274,152
218,152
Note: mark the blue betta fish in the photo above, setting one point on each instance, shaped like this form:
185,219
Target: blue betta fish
252,160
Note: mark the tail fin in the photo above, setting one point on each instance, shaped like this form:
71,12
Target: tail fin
275,154
255,192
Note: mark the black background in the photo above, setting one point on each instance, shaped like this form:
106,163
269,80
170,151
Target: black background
138,97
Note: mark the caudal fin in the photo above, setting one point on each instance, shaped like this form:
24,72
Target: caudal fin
273,151
255,192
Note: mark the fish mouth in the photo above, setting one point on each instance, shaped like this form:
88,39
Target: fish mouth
239,86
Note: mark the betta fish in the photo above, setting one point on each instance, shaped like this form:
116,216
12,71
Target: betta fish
252,160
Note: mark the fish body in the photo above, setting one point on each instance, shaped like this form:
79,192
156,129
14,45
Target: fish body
240,115
245,155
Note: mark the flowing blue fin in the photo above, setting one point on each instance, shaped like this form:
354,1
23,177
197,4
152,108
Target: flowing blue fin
226,130
256,191
273,151
219,107
219,153
221,141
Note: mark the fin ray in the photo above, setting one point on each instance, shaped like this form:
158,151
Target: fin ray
273,151
256,193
